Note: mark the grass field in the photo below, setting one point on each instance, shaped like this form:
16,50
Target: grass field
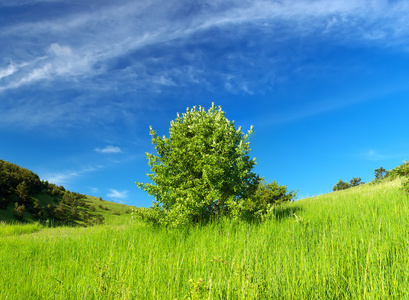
352,244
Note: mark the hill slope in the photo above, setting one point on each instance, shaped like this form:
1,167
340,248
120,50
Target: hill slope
350,244
25,198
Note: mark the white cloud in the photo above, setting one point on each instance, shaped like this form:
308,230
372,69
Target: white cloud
79,50
114,31
94,190
7,71
65,178
109,149
118,195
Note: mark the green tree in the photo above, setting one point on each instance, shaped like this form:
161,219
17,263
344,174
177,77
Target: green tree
356,181
55,192
69,199
202,169
51,208
341,185
18,211
61,211
379,173
22,192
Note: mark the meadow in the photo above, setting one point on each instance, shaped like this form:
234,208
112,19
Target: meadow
350,244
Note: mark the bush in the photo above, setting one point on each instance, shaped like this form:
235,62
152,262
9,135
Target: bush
400,171
266,196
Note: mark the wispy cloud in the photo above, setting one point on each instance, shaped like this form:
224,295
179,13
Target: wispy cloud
373,155
112,32
7,71
377,155
65,178
117,195
156,46
24,2
94,190
109,149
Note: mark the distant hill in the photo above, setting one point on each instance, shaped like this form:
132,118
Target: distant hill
26,198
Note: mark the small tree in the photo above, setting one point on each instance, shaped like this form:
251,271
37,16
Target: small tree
69,199
202,169
379,173
51,210
22,192
18,211
61,212
341,185
356,181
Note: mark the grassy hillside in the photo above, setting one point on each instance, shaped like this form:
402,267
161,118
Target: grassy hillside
111,213
27,199
350,244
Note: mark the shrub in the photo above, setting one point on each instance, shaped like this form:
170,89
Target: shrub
266,195
400,171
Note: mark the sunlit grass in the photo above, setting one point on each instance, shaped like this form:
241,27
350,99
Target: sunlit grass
18,229
352,244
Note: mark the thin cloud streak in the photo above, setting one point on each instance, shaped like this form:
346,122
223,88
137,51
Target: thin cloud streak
7,71
113,32
82,51
379,156
122,195
65,178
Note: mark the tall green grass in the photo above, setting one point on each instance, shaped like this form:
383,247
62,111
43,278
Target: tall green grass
18,229
352,244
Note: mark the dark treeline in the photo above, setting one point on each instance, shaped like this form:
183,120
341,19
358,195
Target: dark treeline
24,190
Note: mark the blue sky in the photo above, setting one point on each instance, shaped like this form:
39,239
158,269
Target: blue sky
325,84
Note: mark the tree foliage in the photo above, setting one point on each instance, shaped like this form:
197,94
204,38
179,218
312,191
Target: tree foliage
399,171
355,181
24,186
22,192
379,173
340,185
18,211
11,176
266,195
269,193
201,169
343,185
